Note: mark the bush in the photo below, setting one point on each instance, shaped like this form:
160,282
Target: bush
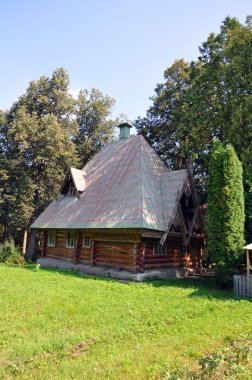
224,276
10,254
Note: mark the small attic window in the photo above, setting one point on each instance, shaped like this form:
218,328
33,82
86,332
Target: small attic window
71,190
74,183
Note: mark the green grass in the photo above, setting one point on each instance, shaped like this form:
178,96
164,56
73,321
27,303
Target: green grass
58,325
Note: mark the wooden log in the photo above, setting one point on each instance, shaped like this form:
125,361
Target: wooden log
50,256
151,234
156,266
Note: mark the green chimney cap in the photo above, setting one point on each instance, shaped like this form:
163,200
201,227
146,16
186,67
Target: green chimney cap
124,130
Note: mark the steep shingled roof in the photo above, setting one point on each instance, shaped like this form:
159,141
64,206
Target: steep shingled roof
126,186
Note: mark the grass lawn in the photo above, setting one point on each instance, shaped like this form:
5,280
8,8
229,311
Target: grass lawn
56,325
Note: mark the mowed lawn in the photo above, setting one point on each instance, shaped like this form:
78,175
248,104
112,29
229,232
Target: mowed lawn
55,325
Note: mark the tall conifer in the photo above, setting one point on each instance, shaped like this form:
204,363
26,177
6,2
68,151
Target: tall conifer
225,206
233,202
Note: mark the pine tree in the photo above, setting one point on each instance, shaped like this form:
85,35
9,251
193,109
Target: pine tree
233,206
225,206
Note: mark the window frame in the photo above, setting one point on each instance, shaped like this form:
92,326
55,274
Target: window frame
69,239
83,242
51,239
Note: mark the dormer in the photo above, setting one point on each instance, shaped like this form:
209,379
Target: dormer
74,183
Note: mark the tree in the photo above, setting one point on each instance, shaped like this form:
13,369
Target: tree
233,202
44,133
38,137
215,204
94,126
225,206
165,123
248,201
205,100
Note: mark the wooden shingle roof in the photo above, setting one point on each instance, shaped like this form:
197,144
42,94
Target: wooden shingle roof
126,186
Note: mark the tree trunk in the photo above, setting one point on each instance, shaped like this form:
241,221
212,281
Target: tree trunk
25,240
31,245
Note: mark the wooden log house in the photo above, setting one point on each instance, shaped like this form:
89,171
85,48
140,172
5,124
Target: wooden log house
125,210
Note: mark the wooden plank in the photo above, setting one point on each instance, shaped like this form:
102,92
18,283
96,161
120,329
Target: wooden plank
57,257
156,266
152,234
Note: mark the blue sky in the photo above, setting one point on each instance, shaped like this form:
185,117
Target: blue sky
119,47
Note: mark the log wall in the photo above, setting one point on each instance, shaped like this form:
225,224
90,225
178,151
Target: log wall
115,248
60,251
116,254
124,249
175,255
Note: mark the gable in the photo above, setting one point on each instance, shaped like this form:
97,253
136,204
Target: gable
74,180
186,219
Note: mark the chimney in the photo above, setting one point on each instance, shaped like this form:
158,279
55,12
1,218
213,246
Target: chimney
124,130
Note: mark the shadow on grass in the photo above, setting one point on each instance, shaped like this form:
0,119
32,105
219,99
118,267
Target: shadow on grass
203,287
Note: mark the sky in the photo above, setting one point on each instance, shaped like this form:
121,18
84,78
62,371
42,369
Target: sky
120,47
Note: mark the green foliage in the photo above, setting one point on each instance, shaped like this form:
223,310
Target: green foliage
205,100
38,147
233,206
9,253
228,362
215,204
44,133
83,327
248,201
225,211
94,128
224,275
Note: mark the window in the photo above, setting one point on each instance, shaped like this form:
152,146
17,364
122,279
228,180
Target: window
51,239
70,238
86,242
159,249
71,191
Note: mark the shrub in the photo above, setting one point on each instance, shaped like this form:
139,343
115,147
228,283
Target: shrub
224,276
229,362
10,254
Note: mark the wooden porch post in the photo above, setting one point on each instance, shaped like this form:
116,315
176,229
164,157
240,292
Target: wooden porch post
248,262
25,240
